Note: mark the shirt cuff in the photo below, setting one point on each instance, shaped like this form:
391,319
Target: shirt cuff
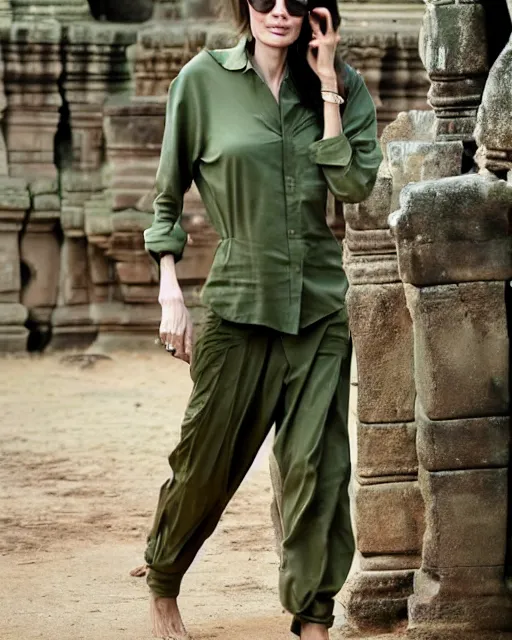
173,242
332,152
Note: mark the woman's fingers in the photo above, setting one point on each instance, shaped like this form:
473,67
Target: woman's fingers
178,343
315,26
322,12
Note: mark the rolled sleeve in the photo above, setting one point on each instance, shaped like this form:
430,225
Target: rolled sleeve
332,152
158,240
181,149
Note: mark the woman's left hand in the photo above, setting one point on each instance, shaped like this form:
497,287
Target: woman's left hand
324,44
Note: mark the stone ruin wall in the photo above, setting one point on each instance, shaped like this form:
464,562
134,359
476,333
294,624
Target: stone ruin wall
82,99
429,259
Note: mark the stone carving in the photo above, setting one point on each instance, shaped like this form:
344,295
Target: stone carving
454,52
14,204
382,332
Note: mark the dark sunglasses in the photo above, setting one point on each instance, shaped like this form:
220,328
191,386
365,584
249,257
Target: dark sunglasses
296,8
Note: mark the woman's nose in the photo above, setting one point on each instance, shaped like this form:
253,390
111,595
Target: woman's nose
280,8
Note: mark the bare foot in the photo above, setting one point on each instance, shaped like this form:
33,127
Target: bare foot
166,619
139,572
312,631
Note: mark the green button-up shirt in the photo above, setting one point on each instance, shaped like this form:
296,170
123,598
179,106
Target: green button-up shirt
263,173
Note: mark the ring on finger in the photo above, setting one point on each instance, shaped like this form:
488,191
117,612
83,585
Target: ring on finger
170,349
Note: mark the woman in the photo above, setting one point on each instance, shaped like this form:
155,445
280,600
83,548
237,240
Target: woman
259,129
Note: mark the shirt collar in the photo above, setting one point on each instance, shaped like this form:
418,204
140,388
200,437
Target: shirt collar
235,59
238,59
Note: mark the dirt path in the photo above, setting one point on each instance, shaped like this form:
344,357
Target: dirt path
82,454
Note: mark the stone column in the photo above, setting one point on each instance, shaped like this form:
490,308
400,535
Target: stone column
32,70
455,255
14,204
454,52
95,67
386,482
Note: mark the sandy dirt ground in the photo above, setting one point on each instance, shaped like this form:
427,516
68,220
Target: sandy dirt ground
82,455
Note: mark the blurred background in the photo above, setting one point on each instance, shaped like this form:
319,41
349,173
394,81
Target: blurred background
82,101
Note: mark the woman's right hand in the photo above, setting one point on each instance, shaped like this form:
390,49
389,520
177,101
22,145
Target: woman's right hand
176,329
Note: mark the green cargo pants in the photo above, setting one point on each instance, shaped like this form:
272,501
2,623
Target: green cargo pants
247,378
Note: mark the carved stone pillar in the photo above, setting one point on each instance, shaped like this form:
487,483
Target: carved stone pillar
455,255
14,204
40,255
493,131
32,70
454,52
386,481
95,67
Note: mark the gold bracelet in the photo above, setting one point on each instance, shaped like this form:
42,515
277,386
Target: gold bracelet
332,97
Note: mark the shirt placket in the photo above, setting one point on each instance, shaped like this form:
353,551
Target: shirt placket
293,219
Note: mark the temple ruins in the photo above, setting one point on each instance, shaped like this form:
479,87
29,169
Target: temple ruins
428,255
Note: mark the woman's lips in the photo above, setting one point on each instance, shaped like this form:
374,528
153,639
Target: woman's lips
278,31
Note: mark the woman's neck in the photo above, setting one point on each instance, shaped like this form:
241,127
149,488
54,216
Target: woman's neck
271,63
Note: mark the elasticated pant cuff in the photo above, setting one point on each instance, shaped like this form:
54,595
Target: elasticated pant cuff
164,585
297,622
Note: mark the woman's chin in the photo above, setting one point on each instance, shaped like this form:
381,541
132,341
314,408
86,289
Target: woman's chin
278,41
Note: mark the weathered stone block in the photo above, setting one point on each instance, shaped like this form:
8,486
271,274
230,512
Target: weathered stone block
12,314
138,271
74,279
493,132
10,279
382,333
13,334
373,212
415,161
14,196
446,614
470,443
457,582
454,230
389,518
386,450
72,327
461,349
395,562
463,509
47,202
377,599
40,252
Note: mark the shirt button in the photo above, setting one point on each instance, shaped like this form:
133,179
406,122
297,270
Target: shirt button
291,232
297,269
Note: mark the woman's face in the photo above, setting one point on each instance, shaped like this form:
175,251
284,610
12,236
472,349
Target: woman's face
277,28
